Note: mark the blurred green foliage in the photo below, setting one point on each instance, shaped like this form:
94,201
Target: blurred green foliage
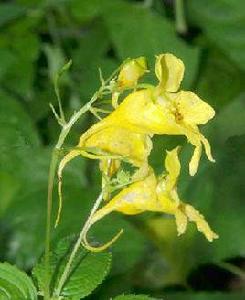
36,39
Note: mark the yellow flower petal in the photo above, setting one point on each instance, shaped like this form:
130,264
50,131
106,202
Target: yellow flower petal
207,148
195,159
181,221
131,72
166,188
136,198
167,204
193,110
202,225
139,113
65,160
118,141
197,139
172,165
170,71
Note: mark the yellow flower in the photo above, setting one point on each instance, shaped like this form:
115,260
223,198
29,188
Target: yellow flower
131,72
126,133
162,110
150,194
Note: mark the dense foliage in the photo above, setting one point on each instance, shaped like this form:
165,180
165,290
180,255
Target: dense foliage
36,39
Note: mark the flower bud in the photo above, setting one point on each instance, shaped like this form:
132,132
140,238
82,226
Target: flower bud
131,72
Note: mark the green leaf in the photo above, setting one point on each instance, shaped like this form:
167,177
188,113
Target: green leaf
13,115
26,214
228,212
87,272
204,296
147,34
84,11
18,137
223,23
9,12
9,186
18,74
224,125
15,284
27,210
113,286
220,80
133,297
89,57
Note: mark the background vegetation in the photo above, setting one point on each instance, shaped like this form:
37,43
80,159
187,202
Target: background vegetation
36,38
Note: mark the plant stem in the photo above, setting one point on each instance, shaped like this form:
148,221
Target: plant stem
180,20
66,127
52,169
76,247
53,166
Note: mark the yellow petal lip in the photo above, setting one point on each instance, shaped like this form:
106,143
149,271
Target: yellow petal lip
181,221
194,162
193,110
166,188
170,72
202,225
198,141
185,213
172,165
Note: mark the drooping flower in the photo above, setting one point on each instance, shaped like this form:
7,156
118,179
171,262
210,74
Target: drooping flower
158,195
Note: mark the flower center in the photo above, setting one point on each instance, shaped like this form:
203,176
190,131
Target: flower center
178,116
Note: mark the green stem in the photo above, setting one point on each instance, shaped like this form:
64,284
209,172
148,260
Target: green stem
76,247
180,20
52,169
53,166
66,127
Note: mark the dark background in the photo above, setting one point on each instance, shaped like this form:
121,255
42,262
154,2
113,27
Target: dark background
36,39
